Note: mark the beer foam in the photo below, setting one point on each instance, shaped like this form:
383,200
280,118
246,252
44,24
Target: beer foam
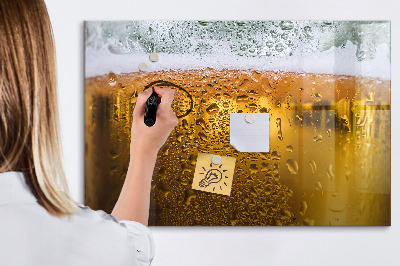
336,61
341,48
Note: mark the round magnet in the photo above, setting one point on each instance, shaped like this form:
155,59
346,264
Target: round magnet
216,159
153,57
143,67
250,118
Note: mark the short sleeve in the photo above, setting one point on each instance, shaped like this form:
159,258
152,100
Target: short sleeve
143,240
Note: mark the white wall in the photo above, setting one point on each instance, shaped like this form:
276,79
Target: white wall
230,246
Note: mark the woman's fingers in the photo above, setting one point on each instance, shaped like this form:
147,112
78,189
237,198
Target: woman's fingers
159,91
165,109
167,98
140,105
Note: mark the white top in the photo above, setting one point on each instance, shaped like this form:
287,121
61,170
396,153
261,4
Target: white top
29,235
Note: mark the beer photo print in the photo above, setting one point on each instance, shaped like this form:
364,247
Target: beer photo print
280,122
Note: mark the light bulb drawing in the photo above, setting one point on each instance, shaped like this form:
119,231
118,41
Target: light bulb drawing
213,176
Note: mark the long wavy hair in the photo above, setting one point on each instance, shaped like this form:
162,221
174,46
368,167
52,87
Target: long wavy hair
29,119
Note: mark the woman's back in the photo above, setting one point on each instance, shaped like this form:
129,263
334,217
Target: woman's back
32,236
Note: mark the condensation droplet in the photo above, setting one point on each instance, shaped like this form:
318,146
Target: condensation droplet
329,132
275,155
286,213
212,109
348,175
242,98
203,136
370,97
279,47
179,137
279,125
292,166
287,25
264,167
313,165
185,124
112,79
337,208
189,194
308,221
269,44
303,208
317,137
253,169
252,106
201,123
329,171
308,32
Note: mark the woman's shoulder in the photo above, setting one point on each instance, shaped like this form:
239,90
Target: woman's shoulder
138,236
88,214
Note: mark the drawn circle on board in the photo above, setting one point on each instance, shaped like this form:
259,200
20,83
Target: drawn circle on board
163,83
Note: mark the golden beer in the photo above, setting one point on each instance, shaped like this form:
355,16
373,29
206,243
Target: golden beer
329,159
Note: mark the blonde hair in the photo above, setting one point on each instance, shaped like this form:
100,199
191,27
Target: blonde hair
29,122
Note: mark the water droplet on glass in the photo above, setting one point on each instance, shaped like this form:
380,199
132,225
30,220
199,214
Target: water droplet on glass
253,169
203,136
303,208
330,173
201,123
279,125
317,137
252,106
308,221
112,79
370,97
264,167
275,155
287,25
212,109
318,96
337,208
292,165
179,137
242,98
279,47
189,194
329,131
185,124
313,166
286,213
308,32
348,175
269,44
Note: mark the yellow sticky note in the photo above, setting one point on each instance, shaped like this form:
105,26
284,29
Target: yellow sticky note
211,177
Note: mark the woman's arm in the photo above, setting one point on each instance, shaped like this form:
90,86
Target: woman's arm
134,201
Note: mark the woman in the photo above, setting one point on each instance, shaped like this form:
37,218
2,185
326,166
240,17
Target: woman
40,224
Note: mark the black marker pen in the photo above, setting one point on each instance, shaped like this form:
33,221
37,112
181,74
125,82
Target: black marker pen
151,109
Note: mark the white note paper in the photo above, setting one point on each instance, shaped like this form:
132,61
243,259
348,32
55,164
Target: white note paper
249,137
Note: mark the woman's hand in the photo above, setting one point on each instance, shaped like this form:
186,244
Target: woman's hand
149,140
